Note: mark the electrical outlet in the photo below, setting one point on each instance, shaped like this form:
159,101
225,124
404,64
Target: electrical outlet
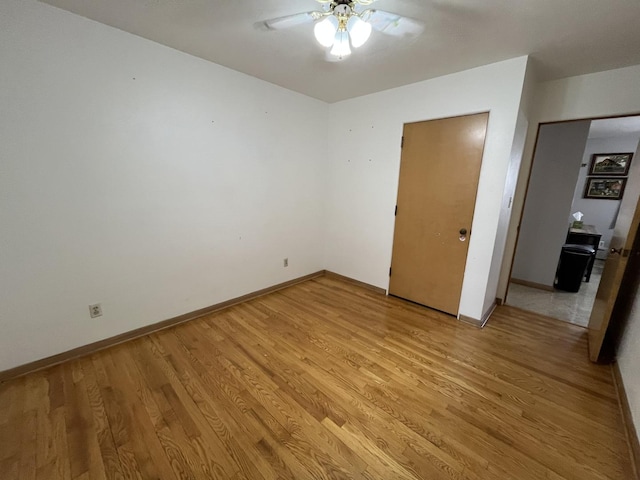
601,244
95,310
286,262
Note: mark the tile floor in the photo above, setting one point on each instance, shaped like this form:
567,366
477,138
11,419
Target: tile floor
566,306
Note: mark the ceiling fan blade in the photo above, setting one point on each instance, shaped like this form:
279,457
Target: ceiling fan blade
392,23
294,20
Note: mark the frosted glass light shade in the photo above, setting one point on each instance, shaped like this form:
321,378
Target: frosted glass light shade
325,31
359,31
341,46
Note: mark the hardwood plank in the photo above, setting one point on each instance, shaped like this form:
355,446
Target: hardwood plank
83,445
324,379
28,445
102,427
10,468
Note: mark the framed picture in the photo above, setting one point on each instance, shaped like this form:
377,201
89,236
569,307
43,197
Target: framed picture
605,188
610,164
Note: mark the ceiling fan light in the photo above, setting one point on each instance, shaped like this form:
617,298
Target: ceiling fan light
341,46
325,31
359,31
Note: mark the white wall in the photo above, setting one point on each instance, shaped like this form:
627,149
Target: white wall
600,213
146,179
544,222
364,159
602,94
505,211
527,108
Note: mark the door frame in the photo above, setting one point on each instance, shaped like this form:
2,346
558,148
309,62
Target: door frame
520,213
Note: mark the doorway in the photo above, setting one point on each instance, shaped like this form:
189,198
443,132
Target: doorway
563,181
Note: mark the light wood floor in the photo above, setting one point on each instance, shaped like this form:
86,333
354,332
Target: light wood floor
323,380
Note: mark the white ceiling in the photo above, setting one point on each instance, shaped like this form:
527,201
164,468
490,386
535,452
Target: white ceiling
615,127
565,37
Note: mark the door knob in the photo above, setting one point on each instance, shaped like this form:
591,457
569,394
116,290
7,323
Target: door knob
616,251
463,234
463,231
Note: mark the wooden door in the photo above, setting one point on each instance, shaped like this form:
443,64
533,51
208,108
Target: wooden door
439,172
622,244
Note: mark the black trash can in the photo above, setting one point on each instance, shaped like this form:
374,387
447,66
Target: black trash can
574,260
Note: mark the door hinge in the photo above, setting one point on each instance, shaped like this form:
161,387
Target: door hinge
402,142
396,212
389,271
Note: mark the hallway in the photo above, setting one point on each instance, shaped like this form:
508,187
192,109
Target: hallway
569,307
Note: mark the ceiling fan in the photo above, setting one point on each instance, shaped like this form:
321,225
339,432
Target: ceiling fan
343,24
